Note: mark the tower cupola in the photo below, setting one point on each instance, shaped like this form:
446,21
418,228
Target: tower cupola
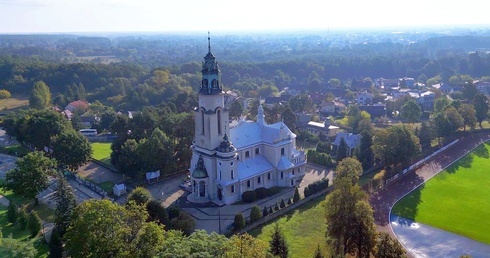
211,81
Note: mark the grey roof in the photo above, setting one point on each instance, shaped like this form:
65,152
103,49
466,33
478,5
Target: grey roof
352,140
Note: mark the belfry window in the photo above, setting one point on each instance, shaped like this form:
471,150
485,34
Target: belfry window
202,121
219,121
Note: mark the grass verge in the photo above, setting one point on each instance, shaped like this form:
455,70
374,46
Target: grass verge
303,228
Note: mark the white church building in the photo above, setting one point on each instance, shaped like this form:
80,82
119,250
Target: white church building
230,160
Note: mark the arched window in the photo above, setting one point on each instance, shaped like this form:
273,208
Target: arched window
204,84
247,154
202,121
257,151
215,83
282,174
219,121
282,151
220,175
232,175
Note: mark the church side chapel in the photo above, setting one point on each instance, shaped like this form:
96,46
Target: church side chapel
228,161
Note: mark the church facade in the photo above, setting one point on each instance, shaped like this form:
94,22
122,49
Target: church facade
228,160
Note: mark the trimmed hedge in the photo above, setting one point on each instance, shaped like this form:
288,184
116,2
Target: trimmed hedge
255,214
316,187
249,196
262,192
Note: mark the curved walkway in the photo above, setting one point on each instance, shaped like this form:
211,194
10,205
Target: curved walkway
383,200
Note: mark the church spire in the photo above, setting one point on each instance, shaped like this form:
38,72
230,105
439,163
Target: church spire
211,77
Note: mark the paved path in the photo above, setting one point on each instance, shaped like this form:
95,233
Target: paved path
426,241
383,200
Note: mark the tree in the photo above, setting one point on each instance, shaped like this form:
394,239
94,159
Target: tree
42,126
12,212
22,218
140,196
468,113
296,196
40,96
265,211
255,214
30,177
239,222
395,144
411,111
277,245
349,169
236,109
98,228
425,134
14,248
481,107
244,245
5,94
342,150
72,149
66,202
301,103
363,233
289,118
156,212
149,241
387,247
34,223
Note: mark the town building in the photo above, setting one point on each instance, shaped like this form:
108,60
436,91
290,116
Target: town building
228,160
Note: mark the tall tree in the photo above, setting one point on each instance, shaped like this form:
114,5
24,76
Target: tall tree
277,245
289,118
468,113
42,126
342,150
244,245
411,111
72,149
363,233
30,177
395,144
40,96
236,109
425,134
480,103
140,196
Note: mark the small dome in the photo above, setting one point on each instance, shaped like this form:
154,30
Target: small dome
226,146
200,171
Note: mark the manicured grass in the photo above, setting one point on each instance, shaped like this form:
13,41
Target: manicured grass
456,200
102,151
303,228
17,149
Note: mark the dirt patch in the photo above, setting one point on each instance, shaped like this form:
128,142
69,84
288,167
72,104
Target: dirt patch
99,174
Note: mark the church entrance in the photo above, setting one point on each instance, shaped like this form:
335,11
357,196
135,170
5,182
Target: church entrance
202,189
220,193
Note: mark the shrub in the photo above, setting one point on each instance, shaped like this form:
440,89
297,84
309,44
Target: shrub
249,196
289,201
22,218
276,208
265,212
34,223
283,203
261,192
5,94
307,191
12,213
296,196
274,190
317,186
239,222
270,210
255,214
156,212
140,195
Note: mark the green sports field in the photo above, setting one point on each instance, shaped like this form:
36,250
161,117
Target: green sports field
456,200
102,151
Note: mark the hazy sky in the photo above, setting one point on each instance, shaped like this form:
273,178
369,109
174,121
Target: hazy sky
35,16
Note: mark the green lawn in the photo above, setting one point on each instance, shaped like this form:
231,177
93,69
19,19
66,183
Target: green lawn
456,200
304,229
102,151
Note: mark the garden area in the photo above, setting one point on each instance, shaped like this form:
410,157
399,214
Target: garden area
456,200
16,231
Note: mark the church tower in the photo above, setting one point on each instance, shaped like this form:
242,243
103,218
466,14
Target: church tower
211,117
212,152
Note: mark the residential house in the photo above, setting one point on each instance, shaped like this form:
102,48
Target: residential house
375,110
353,141
323,130
79,106
364,98
332,107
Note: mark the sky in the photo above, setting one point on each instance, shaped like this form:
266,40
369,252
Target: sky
54,16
